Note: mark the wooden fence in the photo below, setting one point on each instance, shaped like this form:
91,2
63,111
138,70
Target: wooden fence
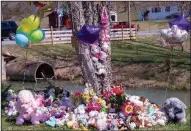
64,36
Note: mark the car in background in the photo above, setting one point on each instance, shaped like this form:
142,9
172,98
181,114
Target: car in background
8,29
175,15
123,25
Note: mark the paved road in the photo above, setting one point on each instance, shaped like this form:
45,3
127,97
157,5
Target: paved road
152,32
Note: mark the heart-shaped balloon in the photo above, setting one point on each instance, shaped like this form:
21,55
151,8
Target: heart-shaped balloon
89,34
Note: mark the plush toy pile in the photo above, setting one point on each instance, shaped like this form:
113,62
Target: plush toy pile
173,35
113,110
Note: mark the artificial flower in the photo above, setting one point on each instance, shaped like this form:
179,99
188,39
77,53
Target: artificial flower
86,98
107,94
127,108
92,106
77,93
99,100
92,93
117,90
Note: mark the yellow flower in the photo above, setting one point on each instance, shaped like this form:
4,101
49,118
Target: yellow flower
99,100
84,129
92,93
86,97
69,124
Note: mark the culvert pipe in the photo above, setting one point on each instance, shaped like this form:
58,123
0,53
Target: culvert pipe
28,70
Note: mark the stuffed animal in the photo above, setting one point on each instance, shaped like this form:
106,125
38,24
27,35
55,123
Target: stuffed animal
51,97
26,106
39,98
136,100
65,100
11,95
105,47
101,121
158,118
92,118
81,114
95,49
175,110
103,56
11,109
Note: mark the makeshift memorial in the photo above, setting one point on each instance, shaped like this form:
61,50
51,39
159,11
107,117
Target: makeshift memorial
129,112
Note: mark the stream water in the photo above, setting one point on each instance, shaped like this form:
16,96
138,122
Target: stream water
154,95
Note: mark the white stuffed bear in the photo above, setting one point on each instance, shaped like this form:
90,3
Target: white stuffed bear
136,100
101,121
95,49
92,117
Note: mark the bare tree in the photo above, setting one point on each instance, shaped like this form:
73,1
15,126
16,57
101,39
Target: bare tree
88,13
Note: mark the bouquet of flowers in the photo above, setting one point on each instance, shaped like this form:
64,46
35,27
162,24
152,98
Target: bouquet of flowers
115,98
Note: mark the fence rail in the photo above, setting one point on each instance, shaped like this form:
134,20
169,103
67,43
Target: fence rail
64,36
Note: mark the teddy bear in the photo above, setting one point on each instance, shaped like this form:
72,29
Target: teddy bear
65,100
92,118
135,100
39,98
101,121
26,106
81,114
175,110
11,109
158,118
11,95
50,97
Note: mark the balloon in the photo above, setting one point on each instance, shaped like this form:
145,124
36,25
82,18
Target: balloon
30,23
24,30
21,39
19,30
37,35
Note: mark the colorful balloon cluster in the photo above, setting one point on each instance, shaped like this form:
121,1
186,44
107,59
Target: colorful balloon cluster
28,31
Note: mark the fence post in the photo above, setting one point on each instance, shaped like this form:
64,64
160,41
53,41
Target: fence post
51,29
122,32
29,45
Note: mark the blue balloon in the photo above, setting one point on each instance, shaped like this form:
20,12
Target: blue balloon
21,39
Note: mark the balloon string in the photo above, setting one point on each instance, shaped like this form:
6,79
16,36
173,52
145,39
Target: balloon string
25,67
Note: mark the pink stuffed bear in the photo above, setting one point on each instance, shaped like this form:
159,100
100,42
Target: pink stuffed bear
27,108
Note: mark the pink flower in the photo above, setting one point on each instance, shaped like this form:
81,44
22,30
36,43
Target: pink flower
127,108
107,94
92,106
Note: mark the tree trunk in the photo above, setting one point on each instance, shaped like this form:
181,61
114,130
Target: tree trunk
88,13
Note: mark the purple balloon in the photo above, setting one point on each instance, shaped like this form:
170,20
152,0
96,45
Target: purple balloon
89,34
181,22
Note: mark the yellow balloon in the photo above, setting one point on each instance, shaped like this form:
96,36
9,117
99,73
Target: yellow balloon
30,22
35,21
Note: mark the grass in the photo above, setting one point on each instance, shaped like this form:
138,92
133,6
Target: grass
143,50
154,24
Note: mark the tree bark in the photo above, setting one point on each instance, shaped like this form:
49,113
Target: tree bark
88,13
